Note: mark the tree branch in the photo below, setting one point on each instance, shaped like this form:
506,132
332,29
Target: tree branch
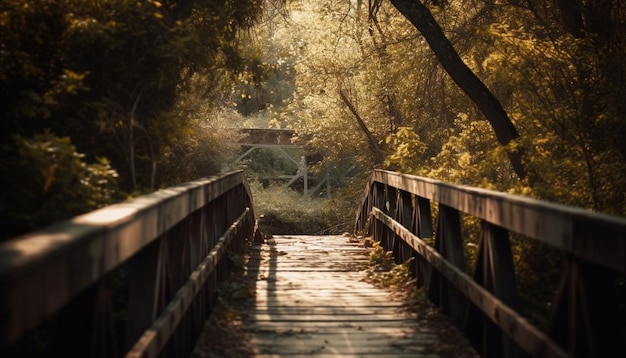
421,17
378,153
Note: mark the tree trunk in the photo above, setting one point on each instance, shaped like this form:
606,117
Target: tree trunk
421,17
378,153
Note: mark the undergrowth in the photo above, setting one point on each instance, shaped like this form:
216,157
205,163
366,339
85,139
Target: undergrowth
284,211
384,272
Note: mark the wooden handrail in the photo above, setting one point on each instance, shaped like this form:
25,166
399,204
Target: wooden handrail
152,254
396,210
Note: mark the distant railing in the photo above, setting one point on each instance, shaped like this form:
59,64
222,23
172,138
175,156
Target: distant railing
586,315
136,278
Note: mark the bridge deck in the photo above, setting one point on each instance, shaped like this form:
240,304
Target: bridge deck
310,300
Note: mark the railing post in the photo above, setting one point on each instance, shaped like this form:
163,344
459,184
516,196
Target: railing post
149,288
422,227
404,213
388,239
449,243
196,232
379,195
377,201
495,272
584,314
77,330
104,335
421,221
180,269
179,255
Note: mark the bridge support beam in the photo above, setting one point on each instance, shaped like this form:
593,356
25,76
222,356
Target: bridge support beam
584,316
299,163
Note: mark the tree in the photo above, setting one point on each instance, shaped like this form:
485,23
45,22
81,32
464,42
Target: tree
554,104
114,67
108,75
420,16
50,181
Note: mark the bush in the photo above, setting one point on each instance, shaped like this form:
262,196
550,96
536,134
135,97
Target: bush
49,181
284,211
339,212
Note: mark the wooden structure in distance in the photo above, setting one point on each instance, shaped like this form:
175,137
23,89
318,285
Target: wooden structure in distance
277,140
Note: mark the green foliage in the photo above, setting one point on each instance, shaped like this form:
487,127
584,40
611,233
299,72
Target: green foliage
407,150
380,259
339,211
384,272
199,151
93,64
126,80
563,90
268,163
284,211
50,182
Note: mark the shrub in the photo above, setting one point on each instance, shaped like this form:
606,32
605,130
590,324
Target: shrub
50,182
284,211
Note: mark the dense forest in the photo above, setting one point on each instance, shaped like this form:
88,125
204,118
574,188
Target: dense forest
103,100
374,89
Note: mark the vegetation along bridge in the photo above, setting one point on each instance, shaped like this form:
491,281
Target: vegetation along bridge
139,279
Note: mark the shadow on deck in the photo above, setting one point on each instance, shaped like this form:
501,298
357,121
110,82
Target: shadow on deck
310,299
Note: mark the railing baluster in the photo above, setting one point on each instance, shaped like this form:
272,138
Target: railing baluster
421,226
494,270
142,289
449,243
195,227
404,210
388,240
584,319
104,335
163,289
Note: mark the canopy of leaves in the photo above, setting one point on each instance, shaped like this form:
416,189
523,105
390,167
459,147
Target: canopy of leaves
114,77
558,71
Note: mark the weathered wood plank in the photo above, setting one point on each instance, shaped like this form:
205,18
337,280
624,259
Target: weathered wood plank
319,305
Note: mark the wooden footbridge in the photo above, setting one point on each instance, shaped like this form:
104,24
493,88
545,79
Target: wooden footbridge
140,278
311,300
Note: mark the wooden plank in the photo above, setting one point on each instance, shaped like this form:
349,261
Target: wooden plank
321,306
365,330
353,339
328,310
254,326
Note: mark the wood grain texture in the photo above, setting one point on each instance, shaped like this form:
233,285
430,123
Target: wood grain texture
311,300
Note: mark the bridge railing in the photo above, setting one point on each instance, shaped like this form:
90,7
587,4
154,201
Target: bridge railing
585,312
135,279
